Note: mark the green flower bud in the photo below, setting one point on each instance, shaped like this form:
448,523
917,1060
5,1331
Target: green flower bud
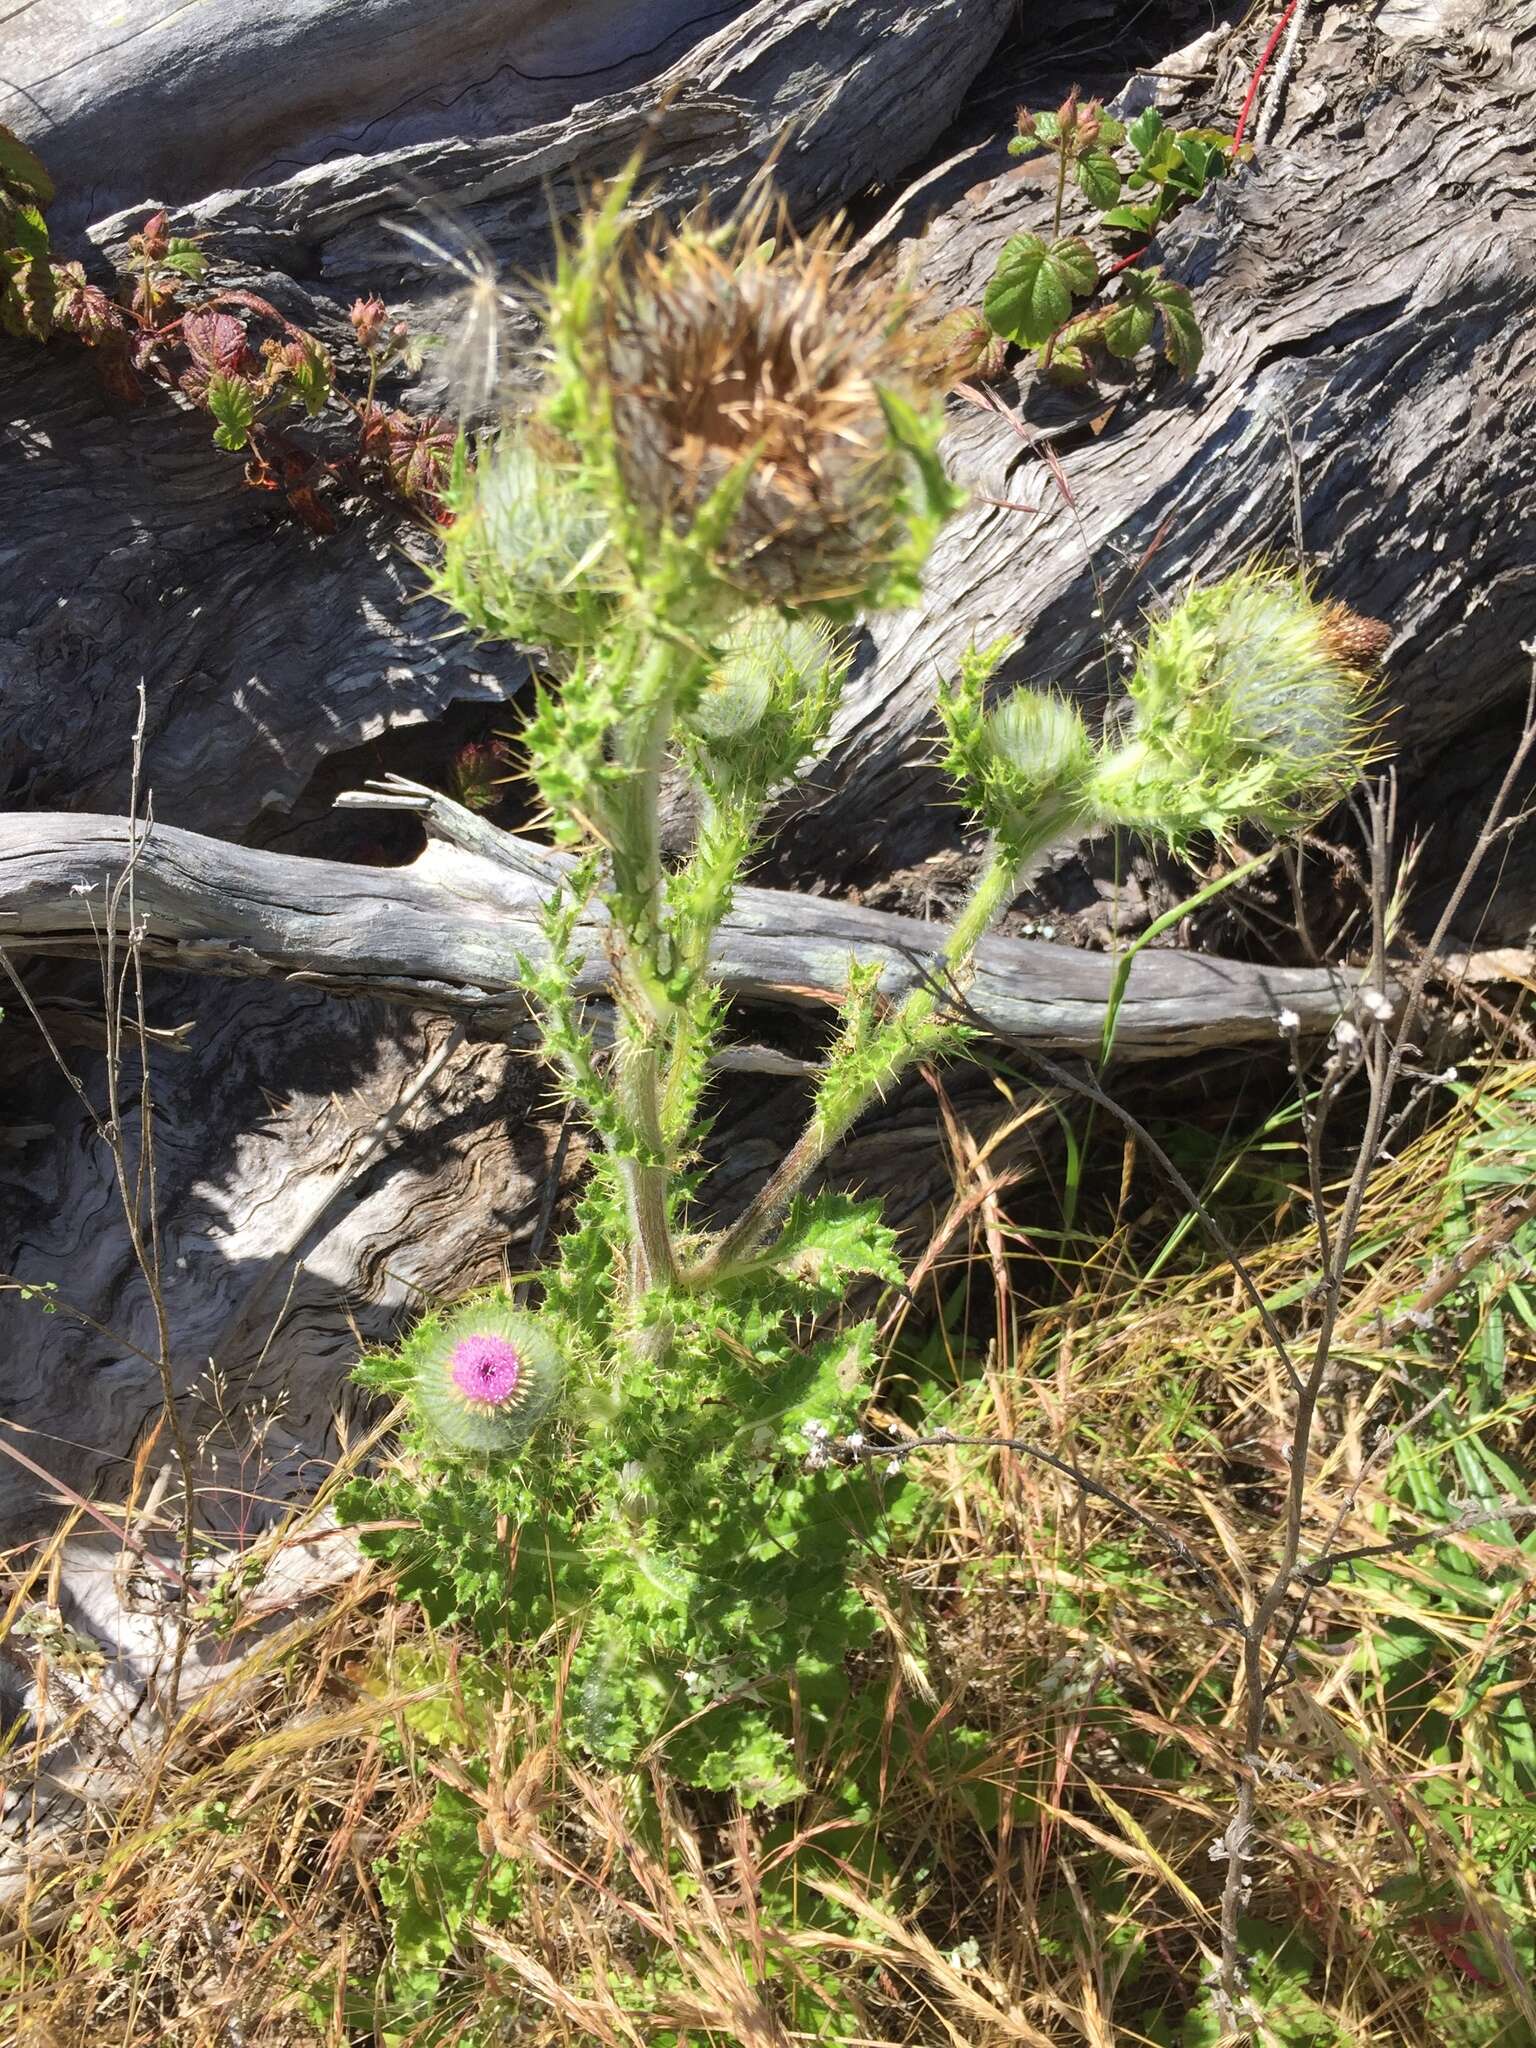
1251,705
765,659
482,1379
1025,766
526,555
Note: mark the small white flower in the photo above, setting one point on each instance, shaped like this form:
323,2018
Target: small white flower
854,1441
1288,1022
1345,1036
893,1468
1375,1004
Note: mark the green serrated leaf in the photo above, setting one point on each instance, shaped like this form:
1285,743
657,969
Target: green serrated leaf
1029,295
185,258
1183,343
1025,145
830,1237
1129,327
1077,263
1111,131
1141,218
1098,175
1144,130
233,405
29,233
20,170
1069,364
1161,160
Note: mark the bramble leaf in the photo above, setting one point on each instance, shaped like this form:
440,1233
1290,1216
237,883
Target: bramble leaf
1029,295
1161,161
215,342
1128,327
185,258
1078,264
1099,177
1032,292
232,402
1140,218
20,170
84,308
1144,130
1183,343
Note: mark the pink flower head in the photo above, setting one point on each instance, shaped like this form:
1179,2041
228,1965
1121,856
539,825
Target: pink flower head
486,1369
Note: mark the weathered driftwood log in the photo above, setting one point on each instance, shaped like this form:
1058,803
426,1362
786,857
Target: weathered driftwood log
1366,290
263,651
144,555
446,934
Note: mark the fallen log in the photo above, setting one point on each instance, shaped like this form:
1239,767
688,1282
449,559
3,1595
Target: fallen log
446,935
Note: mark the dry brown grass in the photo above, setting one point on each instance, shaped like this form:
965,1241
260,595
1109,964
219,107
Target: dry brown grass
1058,1736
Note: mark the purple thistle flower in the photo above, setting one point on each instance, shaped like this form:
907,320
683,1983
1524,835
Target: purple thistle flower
485,1377
485,1368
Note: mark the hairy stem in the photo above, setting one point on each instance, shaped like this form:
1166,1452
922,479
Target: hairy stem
902,1043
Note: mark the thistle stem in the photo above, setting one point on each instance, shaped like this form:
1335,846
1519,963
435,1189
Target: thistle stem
643,995
994,891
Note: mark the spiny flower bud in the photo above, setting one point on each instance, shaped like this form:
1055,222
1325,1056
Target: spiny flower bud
760,390
1066,114
1041,757
763,656
483,1379
1351,638
525,556
1251,704
368,317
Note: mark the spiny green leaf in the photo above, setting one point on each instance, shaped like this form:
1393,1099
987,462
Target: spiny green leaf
828,1237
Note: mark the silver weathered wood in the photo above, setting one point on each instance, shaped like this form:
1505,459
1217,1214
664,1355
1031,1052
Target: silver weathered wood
446,934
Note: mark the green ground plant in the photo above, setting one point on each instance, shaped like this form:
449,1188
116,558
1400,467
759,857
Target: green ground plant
1032,299
637,1480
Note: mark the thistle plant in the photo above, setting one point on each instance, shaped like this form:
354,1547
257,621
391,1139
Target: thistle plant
735,450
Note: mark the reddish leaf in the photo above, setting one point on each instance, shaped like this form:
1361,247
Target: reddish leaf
215,341
84,308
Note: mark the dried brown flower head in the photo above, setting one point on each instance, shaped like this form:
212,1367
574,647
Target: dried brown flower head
1351,638
719,352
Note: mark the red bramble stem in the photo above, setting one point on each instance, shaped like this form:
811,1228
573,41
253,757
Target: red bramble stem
1258,74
